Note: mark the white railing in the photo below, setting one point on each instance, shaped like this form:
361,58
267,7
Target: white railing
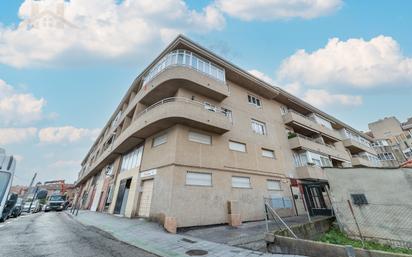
189,101
187,59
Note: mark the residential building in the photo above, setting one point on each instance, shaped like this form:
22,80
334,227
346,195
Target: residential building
393,140
198,141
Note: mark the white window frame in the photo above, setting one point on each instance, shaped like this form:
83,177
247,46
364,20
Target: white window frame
258,127
191,180
276,188
200,138
237,179
132,159
254,100
161,137
233,144
265,153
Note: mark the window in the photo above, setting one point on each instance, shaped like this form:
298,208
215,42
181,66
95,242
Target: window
235,146
386,157
325,162
254,101
258,127
132,159
268,153
241,182
273,184
158,140
359,199
200,138
198,179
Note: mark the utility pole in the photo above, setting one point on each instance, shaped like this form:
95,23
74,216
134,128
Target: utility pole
30,186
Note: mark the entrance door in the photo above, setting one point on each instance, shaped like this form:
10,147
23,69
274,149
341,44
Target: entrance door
120,194
314,199
146,198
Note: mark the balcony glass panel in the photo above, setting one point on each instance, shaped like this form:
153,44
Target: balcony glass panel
189,59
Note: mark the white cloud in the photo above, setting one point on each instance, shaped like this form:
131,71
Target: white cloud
18,108
65,164
18,157
262,76
278,9
66,134
322,98
354,62
99,28
16,135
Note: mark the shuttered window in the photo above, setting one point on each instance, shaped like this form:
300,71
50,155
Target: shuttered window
235,146
160,139
268,153
241,182
198,179
273,184
200,138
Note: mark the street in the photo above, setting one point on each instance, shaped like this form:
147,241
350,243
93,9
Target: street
56,234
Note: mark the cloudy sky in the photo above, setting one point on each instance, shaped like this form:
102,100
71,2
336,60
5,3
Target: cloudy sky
58,86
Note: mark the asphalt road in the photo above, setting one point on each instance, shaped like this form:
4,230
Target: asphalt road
56,234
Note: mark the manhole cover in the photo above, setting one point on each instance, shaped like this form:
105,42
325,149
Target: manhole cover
196,252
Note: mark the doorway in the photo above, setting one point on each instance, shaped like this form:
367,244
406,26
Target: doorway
122,196
146,198
314,197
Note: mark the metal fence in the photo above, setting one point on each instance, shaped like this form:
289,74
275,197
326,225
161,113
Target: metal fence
385,223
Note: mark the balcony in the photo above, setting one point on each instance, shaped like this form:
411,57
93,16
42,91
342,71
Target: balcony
310,172
160,116
302,142
183,69
307,126
360,161
356,147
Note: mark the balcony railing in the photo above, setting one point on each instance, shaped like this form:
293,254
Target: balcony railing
187,59
311,139
207,107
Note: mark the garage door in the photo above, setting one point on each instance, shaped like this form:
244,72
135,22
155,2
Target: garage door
146,198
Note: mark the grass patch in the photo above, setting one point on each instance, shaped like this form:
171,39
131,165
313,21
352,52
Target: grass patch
334,236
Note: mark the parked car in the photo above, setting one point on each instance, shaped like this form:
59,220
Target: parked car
17,209
35,206
56,203
8,207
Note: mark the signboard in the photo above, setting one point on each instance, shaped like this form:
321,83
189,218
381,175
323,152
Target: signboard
148,173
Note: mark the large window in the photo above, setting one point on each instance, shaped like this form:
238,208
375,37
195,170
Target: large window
258,127
236,146
386,157
254,101
132,159
198,179
189,59
159,140
240,182
273,184
268,153
200,138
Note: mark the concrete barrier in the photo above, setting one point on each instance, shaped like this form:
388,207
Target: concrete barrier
286,245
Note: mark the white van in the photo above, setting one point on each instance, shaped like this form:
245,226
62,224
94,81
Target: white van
7,166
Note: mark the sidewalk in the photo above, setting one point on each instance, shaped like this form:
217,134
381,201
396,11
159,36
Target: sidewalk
151,237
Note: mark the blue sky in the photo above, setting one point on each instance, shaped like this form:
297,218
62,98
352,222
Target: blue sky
61,85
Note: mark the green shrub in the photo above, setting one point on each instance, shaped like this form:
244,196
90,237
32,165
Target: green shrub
334,236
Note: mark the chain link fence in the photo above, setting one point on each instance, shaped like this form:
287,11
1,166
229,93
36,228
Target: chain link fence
385,223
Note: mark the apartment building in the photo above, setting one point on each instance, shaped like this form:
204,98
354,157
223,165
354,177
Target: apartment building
393,140
198,141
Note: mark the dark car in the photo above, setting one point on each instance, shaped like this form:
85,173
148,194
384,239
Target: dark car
56,203
9,207
17,209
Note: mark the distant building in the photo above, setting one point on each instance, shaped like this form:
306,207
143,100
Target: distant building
393,140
